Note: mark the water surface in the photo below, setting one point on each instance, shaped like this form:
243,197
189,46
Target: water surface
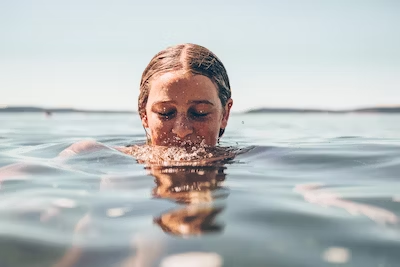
313,190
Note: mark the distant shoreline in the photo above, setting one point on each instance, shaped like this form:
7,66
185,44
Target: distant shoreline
294,110
60,110
23,109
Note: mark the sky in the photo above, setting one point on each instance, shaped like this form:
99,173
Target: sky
90,54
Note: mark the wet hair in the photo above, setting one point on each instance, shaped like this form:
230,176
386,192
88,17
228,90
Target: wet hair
192,58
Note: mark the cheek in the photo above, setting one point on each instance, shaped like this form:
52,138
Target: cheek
159,127
208,130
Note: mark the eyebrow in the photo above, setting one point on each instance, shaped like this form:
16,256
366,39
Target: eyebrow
190,102
201,102
164,102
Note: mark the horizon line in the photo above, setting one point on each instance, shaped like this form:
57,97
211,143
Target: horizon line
6,108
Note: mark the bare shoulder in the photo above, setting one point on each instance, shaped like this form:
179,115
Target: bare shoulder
131,150
81,147
123,149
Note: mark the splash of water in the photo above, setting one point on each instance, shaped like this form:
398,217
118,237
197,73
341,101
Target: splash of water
196,155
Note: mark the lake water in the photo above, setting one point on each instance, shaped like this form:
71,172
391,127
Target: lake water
313,190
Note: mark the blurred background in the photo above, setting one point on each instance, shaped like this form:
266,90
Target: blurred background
90,54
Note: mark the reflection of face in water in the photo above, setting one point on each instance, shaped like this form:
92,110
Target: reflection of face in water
188,185
197,186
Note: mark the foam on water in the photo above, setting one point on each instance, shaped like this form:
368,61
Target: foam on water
193,155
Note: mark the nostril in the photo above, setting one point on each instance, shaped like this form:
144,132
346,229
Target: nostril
182,130
182,127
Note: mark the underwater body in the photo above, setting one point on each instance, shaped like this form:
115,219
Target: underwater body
300,190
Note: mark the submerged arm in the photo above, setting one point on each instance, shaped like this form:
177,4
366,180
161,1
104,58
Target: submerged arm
313,194
20,170
80,147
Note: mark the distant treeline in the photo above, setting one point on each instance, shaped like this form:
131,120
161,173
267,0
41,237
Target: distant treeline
294,110
58,110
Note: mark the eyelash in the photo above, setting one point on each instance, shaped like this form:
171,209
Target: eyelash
195,115
166,116
199,115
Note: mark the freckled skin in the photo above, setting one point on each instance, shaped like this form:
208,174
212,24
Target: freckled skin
184,108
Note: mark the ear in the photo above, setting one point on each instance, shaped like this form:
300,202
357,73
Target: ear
144,121
227,110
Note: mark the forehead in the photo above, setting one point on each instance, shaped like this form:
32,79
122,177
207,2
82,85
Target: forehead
182,86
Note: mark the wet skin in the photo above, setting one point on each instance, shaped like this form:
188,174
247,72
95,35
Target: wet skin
184,109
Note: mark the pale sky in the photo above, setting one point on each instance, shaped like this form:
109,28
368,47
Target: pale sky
91,53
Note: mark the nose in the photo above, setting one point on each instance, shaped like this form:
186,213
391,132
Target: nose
182,127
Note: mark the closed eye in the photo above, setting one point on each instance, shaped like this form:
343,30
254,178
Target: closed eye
199,115
166,115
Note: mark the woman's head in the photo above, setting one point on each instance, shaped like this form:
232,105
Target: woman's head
185,96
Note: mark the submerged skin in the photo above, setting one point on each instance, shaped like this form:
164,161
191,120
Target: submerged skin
184,109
